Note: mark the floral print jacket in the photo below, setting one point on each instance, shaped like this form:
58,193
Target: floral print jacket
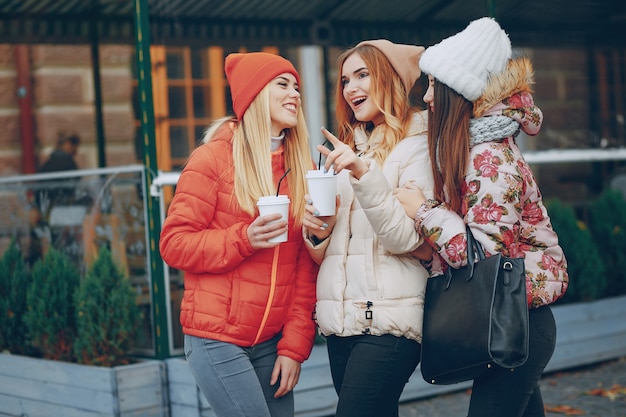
503,206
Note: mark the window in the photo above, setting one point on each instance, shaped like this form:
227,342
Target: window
189,91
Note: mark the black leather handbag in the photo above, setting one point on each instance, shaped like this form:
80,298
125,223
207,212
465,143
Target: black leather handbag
475,318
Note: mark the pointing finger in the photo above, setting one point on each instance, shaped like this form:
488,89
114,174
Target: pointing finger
331,138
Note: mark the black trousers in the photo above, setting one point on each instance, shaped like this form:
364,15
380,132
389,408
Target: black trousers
506,393
370,372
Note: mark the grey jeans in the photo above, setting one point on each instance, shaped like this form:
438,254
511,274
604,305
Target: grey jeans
236,380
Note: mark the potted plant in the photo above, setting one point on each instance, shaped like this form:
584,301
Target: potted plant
15,278
586,270
608,227
107,314
50,316
89,320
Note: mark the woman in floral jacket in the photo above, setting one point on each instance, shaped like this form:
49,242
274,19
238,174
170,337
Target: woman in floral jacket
482,180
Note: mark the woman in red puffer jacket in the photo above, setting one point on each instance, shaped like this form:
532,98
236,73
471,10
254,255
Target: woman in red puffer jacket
247,306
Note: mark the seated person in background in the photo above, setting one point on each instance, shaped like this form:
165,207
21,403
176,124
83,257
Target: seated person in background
62,158
53,192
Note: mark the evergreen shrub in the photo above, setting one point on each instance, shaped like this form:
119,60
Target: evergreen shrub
608,227
587,277
50,315
107,314
14,280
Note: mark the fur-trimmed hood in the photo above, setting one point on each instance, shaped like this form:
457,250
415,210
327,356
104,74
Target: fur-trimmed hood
516,78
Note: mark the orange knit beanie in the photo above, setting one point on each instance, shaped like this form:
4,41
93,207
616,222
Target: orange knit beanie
248,73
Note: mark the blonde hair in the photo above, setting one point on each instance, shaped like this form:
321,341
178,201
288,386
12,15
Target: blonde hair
252,159
388,94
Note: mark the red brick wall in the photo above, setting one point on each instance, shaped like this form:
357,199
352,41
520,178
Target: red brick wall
568,95
63,96
562,92
10,158
63,100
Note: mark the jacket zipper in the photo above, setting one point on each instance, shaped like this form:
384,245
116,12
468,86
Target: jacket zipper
270,300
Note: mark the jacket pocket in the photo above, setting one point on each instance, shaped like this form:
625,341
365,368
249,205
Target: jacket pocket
235,297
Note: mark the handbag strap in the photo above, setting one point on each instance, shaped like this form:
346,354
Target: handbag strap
474,250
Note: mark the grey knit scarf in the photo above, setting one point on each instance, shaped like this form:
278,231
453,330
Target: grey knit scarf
491,128
488,129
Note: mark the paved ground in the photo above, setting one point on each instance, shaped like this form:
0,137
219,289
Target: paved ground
593,391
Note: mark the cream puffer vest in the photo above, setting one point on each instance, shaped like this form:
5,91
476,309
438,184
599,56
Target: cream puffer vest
368,282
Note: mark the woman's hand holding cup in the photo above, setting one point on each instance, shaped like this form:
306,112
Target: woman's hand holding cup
319,226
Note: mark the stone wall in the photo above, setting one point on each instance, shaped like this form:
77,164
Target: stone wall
568,90
63,100
562,92
10,155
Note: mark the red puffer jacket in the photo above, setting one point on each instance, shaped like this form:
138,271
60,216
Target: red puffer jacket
234,293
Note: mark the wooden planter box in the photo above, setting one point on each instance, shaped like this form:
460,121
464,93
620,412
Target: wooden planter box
587,333
39,387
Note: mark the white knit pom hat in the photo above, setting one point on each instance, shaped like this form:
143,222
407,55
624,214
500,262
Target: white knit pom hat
465,61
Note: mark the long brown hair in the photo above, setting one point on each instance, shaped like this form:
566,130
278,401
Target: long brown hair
386,91
448,143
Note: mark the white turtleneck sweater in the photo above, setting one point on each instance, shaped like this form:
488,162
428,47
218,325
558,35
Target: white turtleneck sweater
277,141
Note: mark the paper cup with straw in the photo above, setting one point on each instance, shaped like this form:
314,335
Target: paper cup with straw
275,204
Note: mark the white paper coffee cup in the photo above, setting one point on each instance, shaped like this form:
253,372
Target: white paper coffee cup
275,204
323,190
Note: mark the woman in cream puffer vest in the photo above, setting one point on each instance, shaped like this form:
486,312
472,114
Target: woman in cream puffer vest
366,264
371,283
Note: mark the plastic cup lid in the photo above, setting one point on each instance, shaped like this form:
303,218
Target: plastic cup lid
314,173
272,199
